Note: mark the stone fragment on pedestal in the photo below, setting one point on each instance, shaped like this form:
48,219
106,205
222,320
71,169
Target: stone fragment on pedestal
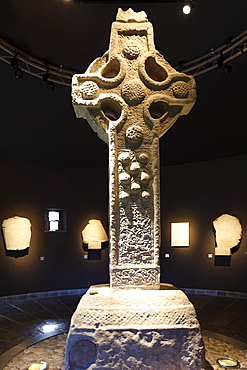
134,329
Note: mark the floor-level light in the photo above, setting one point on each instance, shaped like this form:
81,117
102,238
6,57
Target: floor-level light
228,363
40,365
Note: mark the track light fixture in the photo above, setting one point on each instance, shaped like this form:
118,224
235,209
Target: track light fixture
14,62
46,76
188,6
227,68
215,58
228,40
50,86
18,72
243,48
221,64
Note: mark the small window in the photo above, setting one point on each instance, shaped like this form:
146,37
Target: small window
55,220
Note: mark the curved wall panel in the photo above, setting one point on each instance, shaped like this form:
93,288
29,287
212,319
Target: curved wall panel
197,193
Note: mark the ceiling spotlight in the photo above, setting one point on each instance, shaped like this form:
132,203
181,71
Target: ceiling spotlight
227,69
243,48
188,6
18,72
228,40
50,86
46,76
220,62
14,62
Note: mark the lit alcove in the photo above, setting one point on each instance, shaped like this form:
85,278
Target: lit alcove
55,220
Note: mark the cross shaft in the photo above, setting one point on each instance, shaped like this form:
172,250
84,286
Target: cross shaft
131,96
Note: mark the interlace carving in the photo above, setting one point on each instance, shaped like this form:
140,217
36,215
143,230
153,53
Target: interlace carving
131,96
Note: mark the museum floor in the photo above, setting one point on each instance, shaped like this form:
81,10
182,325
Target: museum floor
25,322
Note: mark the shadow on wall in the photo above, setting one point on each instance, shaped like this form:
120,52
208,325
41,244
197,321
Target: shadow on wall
94,254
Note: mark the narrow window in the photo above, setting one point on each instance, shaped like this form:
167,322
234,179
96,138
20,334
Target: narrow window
55,220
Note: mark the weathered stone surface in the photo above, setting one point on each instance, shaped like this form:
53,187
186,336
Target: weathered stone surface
228,234
131,96
94,234
17,233
134,329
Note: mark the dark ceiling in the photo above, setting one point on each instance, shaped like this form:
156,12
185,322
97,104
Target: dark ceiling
39,125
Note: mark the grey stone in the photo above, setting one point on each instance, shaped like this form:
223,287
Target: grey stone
136,329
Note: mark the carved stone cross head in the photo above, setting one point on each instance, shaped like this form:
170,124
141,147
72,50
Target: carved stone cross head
131,96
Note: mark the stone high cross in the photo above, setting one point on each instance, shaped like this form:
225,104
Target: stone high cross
131,96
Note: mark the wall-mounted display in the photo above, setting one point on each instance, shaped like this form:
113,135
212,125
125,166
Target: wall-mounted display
228,234
17,233
94,234
180,234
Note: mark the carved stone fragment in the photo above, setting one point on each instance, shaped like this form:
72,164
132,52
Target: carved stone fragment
17,233
228,234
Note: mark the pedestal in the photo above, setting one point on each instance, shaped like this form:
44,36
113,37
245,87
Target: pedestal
134,329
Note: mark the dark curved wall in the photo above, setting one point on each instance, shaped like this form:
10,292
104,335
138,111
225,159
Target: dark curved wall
197,193
27,190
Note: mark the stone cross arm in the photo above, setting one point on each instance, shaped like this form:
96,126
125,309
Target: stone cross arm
132,76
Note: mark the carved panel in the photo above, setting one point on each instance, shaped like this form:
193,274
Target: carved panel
131,96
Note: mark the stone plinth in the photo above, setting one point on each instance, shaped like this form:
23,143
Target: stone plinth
134,329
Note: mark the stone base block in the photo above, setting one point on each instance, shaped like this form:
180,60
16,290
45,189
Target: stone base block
135,329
